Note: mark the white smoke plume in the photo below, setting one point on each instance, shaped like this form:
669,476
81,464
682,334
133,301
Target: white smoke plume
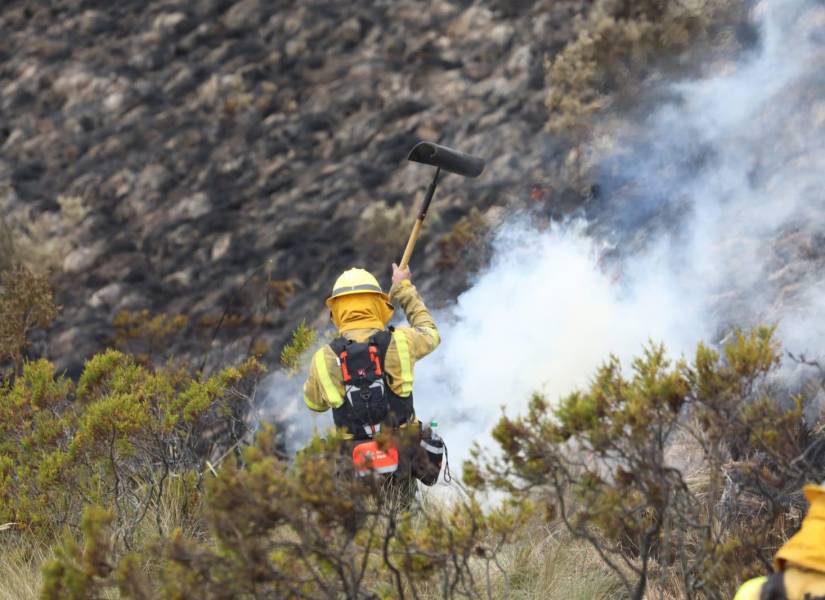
715,207
281,403
713,216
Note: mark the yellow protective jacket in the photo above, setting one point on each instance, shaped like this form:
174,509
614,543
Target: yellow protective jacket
791,584
800,562
324,388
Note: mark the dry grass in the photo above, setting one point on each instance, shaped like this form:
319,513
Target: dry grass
41,241
21,562
22,558
176,510
547,564
543,563
7,250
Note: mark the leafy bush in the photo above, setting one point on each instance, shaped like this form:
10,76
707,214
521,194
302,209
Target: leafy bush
617,43
463,241
7,250
40,241
118,438
301,530
683,477
293,354
26,302
147,335
680,472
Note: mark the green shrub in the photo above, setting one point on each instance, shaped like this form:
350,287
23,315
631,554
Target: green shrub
464,240
616,45
26,302
147,335
8,253
301,530
115,439
293,354
678,472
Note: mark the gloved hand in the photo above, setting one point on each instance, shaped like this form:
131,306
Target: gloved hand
400,274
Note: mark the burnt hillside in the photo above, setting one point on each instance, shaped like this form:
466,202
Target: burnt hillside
158,155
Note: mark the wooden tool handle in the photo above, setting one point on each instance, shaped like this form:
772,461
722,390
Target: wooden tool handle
416,230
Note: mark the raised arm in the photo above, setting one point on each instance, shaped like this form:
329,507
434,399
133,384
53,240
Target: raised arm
423,334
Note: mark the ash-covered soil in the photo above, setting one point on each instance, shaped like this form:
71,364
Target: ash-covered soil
189,156
225,160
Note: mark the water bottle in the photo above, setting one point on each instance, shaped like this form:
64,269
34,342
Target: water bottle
434,430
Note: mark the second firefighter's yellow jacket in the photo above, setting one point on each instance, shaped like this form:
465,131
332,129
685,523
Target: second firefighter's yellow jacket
324,388
800,561
792,584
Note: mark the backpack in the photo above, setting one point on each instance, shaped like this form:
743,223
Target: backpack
369,402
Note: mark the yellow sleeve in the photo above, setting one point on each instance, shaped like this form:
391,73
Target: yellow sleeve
409,344
422,336
323,388
751,590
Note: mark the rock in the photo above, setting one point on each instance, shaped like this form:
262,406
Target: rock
132,301
474,22
92,22
120,184
78,86
350,31
148,186
114,101
81,259
67,342
168,22
221,246
181,279
245,14
191,207
106,296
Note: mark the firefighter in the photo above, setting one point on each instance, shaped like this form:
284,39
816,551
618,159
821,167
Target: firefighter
360,309
365,376
800,563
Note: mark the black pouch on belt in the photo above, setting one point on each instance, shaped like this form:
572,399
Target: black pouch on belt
433,446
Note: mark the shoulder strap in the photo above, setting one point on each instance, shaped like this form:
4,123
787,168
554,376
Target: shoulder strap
382,340
774,588
339,344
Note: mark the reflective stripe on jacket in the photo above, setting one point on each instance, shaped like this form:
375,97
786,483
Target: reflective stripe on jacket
324,390
751,590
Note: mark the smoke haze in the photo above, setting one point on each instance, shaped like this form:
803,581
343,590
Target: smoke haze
713,217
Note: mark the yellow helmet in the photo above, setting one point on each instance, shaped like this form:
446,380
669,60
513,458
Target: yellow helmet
806,548
356,281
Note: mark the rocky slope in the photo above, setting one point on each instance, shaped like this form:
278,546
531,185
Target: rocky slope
186,157
226,159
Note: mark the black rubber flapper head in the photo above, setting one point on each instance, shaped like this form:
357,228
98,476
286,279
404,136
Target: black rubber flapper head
447,159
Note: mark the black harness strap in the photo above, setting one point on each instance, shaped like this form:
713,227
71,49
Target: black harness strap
773,588
400,410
